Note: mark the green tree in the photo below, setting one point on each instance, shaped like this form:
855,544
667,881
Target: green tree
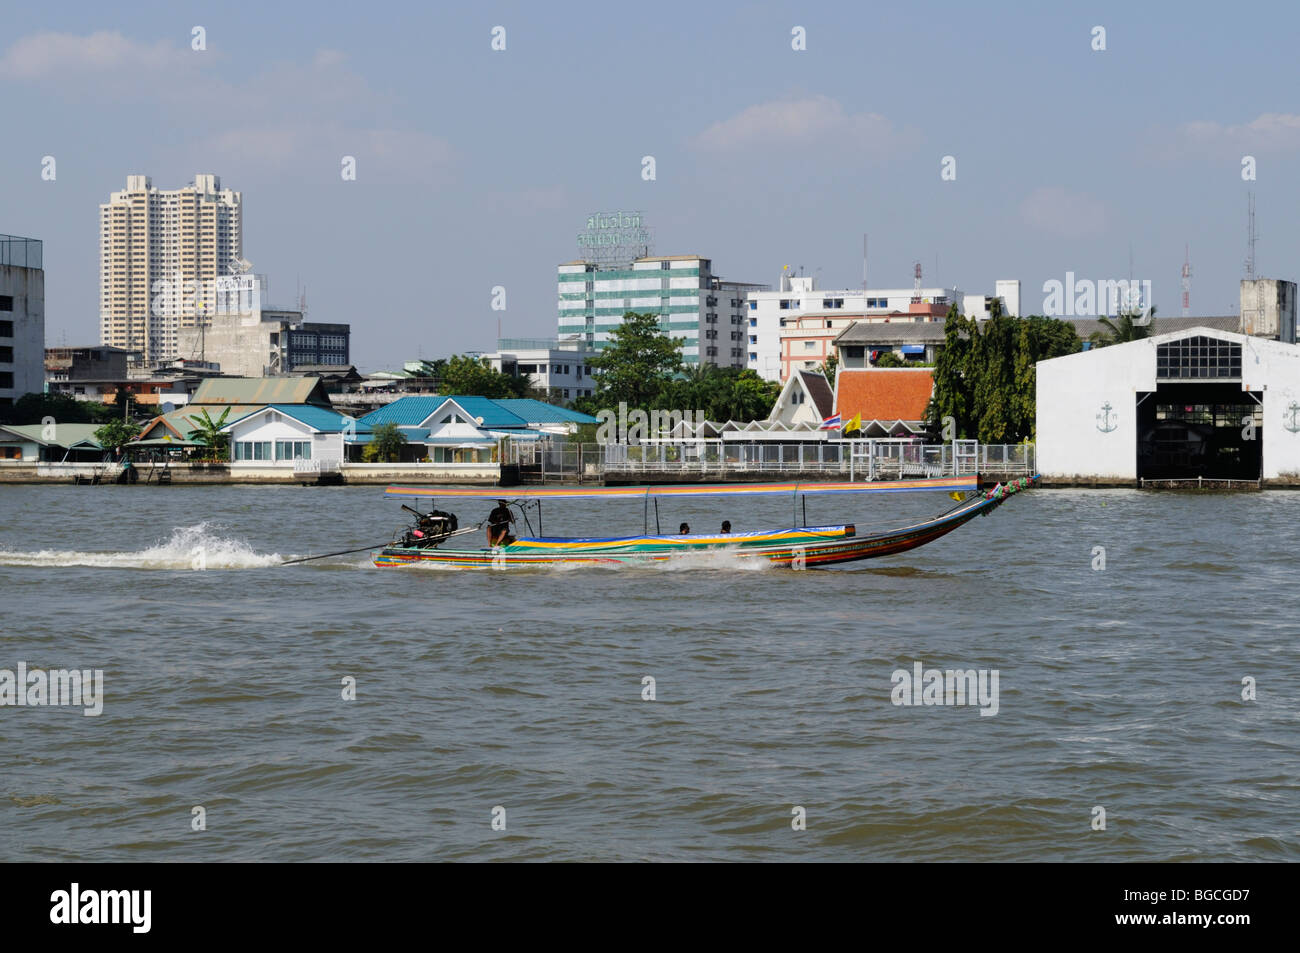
984,378
637,364
829,369
208,432
475,377
889,359
1122,328
34,408
385,445
117,433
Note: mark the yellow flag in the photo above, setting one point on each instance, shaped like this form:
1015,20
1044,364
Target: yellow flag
854,424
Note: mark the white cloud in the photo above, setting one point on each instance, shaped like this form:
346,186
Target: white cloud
52,55
1266,133
1063,213
292,116
811,121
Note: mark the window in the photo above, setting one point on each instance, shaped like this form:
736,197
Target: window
293,450
6,355
6,302
1198,357
566,393
753,306
253,450
809,345
753,322
832,303
828,324
753,339
785,304
6,378
753,356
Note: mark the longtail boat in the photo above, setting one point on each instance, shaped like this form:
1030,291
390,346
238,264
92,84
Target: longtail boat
434,539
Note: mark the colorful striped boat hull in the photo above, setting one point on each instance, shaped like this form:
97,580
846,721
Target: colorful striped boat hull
796,548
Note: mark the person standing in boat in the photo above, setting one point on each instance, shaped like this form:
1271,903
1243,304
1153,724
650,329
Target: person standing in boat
683,530
726,527
499,520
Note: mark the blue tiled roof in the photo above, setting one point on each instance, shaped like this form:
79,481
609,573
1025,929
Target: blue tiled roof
413,410
318,418
407,411
538,412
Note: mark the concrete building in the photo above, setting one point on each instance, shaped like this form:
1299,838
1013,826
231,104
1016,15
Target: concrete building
1268,308
792,328
264,342
861,344
22,318
1198,402
560,367
160,252
693,304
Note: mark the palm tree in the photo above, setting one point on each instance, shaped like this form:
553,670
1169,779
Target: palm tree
208,432
1126,326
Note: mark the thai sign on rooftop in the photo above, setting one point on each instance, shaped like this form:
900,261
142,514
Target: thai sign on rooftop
614,236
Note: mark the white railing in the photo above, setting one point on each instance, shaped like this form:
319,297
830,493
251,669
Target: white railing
856,459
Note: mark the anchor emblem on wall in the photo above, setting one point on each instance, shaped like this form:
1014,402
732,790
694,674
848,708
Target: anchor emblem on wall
1107,421
1291,413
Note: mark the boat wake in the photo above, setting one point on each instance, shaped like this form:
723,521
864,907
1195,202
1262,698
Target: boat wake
188,548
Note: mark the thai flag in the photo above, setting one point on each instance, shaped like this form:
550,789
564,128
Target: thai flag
831,423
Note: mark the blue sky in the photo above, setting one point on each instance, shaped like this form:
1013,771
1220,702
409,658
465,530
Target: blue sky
477,168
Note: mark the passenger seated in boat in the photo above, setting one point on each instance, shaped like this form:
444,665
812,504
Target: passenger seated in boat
499,520
726,526
683,529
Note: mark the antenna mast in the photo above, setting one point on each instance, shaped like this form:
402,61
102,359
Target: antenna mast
1187,281
1251,236
916,284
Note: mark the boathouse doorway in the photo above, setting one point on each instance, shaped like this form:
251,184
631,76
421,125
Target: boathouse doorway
1185,431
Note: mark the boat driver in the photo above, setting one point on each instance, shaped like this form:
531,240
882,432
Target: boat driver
499,520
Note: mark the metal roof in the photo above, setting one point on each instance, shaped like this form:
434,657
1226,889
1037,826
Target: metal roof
261,390
65,435
539,412
413,410
318,418
892,332
1086,327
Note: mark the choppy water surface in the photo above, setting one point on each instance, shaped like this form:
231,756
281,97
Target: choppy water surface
1119,688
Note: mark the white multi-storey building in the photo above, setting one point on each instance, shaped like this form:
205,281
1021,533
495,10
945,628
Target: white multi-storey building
562,367
791,328
22,318
693,304
160,252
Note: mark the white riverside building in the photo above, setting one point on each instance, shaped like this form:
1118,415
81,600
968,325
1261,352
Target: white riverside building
791,328
1197,402
561,367
693,304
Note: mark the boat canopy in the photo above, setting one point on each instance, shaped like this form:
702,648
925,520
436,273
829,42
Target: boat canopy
967,482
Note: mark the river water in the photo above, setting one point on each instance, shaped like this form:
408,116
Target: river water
517,697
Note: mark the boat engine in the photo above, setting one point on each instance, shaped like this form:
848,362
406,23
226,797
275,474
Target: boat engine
430,528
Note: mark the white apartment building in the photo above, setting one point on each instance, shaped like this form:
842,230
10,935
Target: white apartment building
562,367
706,313
792,328
160,252
22,318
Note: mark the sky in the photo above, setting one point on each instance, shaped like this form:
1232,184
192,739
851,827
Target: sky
477,167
